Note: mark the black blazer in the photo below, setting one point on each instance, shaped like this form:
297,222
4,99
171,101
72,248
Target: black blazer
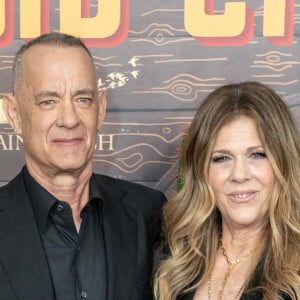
128,226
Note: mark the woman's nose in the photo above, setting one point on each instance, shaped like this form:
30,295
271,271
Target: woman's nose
240,171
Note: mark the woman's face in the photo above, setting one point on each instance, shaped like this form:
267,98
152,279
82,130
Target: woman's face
241,175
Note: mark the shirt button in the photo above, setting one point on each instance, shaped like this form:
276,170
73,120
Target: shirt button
59,207
83,295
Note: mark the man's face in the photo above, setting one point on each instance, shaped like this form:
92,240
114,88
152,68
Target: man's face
58,108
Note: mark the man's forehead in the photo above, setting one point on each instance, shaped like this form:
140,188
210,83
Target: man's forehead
43,56
41,51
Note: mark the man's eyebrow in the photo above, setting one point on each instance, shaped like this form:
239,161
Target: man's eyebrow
85,92
47,94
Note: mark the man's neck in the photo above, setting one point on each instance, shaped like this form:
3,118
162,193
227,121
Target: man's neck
72,187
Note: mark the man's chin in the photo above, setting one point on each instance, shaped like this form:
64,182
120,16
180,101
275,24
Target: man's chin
70,165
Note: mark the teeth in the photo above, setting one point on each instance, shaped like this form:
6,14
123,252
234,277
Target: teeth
242,196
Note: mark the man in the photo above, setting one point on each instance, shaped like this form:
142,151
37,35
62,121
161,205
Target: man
66,233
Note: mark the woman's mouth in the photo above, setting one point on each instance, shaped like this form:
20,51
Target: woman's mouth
242,196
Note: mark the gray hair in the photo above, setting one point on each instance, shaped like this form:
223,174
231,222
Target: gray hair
48,39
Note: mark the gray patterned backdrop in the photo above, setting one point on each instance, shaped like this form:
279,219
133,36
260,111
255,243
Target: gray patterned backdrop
155,80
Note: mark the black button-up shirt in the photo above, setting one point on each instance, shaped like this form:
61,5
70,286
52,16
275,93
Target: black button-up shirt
76,260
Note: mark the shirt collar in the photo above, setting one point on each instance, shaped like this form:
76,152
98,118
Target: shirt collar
95,193
42,201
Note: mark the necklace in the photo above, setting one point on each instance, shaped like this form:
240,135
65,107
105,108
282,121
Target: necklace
230,265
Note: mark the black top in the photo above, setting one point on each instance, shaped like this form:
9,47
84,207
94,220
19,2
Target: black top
76,260
254,292
252,296
247,296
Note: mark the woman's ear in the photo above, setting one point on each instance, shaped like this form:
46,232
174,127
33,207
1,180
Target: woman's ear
11,110
101,108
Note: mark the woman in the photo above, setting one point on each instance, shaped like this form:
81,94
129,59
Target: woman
233,231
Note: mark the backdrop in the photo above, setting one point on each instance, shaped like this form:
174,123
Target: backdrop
157,61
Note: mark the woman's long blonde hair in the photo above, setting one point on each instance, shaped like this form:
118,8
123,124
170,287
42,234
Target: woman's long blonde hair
191,221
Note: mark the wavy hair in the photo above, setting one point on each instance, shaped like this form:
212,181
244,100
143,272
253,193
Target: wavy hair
191,221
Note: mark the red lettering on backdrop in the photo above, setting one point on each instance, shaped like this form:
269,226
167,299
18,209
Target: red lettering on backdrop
286,21
45,16
8,34
117,38
244,38
287,39
45,19
112,41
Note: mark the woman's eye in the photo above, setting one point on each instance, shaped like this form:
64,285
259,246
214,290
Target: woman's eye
258,155
220,159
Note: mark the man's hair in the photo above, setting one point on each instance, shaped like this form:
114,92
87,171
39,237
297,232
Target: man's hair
48,39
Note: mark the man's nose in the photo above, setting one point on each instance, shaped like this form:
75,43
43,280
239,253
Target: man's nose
68,116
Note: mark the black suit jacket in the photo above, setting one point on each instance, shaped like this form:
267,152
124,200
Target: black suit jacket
129,231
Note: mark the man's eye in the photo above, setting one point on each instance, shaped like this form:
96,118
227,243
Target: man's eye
219,159
84,100
46,102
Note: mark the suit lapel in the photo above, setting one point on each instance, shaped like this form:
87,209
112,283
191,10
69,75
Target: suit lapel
120,239
21,251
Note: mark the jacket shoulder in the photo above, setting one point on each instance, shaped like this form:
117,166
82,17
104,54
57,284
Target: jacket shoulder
10,190
133,194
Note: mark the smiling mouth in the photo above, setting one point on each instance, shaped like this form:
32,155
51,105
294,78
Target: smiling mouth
68,142
242,197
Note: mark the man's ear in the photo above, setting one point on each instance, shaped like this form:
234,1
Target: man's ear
11,110
101,108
